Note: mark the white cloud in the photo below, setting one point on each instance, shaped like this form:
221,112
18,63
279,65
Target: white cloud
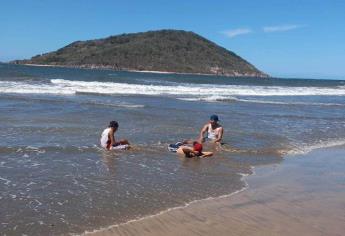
280,28
236,32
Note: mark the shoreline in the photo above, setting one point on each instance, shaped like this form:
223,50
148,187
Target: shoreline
161,213
91,67
173,208
210,206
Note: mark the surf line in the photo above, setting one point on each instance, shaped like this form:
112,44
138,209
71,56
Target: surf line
246,186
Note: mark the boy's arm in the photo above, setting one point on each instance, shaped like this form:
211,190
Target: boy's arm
111,137
206,154
202,132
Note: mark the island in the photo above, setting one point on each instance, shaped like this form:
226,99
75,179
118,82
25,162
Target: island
174,51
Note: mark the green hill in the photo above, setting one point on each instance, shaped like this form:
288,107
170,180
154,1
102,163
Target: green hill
164,50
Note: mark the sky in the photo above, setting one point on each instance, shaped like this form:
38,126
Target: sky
292,39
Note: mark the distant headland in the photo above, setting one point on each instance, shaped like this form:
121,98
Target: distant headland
174,51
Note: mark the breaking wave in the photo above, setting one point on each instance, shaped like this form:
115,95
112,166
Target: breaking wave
207,91
304,149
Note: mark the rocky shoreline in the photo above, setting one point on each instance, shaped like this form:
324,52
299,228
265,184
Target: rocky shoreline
109,67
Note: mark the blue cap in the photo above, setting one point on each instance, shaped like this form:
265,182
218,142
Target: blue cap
214,118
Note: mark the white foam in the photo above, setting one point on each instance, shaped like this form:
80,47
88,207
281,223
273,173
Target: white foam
211,98
287,103
216,98
121,147
27,88
130,106
302,150
193,89
125,105
205,91
7,181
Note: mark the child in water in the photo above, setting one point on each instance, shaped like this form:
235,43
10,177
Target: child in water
108,138
195,151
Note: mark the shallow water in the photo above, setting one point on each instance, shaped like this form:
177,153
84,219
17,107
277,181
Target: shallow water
302,196
54,178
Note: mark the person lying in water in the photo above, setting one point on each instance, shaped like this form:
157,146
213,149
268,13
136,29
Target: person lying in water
108,138
195,151
213,130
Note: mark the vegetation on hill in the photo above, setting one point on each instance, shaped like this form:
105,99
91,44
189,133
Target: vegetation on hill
164,50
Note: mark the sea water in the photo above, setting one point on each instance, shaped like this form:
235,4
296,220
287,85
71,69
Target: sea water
55,179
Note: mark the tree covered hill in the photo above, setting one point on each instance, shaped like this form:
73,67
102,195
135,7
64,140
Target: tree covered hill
164,50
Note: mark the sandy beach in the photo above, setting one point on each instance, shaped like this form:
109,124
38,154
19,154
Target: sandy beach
302,196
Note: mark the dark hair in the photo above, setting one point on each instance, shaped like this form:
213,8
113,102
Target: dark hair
113,124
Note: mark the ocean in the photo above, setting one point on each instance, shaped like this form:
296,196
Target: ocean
56,180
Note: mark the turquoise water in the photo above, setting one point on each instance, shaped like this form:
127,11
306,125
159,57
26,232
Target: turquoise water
54,178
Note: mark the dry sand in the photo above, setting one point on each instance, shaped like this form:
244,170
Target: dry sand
303,196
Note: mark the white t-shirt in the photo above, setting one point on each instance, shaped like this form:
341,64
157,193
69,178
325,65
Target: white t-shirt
213,133
105,137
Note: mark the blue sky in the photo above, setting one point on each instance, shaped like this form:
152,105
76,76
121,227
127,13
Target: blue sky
289,38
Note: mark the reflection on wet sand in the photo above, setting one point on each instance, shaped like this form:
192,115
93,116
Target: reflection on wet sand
303,196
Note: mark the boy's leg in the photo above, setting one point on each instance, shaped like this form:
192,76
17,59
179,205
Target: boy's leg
121,142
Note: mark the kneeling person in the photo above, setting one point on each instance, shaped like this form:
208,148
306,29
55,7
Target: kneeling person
213,129
108,138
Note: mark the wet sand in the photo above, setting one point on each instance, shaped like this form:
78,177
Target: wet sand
305,195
